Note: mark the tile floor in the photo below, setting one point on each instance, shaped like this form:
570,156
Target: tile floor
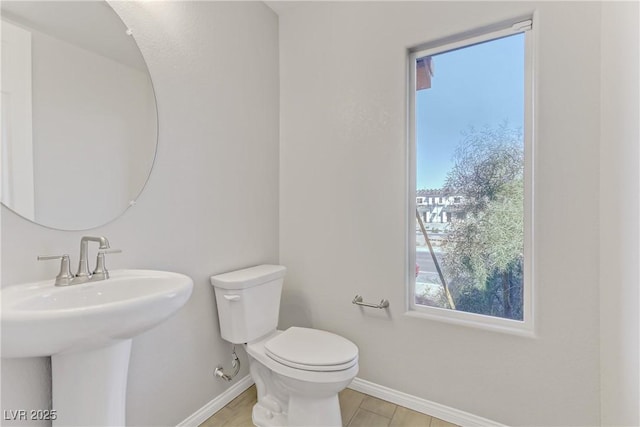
358,410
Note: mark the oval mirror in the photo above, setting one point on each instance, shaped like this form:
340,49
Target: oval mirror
79,119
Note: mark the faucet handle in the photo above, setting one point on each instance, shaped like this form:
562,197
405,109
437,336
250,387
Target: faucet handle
64,276
109,251
101,272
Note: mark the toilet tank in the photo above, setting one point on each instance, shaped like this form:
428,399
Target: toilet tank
248,301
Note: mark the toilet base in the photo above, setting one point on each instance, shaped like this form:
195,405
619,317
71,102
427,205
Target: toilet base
263,417
285,401
315,412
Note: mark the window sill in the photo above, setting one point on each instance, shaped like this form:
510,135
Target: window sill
478,321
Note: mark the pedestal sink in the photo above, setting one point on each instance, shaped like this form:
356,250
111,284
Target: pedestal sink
87,331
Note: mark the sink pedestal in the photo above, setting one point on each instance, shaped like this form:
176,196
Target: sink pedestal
89,387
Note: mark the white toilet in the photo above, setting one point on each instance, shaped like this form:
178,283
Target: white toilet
298,372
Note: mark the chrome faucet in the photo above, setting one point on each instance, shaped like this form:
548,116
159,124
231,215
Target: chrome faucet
65,278
100,272
83,274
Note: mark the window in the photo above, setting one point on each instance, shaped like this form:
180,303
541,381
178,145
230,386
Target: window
470,143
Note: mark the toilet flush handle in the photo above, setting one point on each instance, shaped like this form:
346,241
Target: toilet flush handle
233,297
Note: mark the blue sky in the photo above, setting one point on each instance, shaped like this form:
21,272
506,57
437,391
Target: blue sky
482,85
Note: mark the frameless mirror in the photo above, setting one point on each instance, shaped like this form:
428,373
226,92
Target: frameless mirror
79,120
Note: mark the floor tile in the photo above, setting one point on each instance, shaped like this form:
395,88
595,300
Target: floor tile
248,397
437,422
350,401
378,406
364,418
219,418
404,417
243,419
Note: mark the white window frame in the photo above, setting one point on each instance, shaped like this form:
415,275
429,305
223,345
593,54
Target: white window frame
526,326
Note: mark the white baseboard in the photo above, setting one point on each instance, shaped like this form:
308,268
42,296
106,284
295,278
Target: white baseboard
424,406
219,402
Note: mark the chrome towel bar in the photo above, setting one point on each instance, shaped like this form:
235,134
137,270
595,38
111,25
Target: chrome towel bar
358,301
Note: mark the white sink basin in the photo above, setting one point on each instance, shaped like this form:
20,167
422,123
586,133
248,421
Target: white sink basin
87,331
40,319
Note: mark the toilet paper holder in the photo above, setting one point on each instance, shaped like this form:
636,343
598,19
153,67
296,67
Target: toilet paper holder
384,303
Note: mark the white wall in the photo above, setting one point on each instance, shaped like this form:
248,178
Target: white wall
211,204
619,215
343,219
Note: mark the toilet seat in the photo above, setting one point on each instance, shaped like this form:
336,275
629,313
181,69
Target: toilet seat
257,351
312,350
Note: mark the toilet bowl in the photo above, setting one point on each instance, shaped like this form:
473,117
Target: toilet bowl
304,386
298,372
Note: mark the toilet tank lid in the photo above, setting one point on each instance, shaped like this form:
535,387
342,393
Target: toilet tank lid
248,277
